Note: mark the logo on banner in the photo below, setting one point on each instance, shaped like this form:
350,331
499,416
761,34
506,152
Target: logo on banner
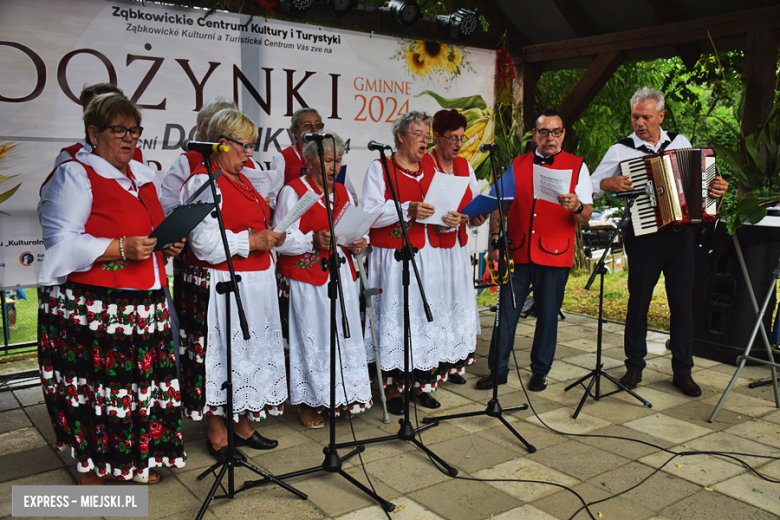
26,258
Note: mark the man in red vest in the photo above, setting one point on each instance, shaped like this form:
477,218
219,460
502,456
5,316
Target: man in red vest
541,227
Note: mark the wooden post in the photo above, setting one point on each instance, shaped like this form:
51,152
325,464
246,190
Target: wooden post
595,77
523,92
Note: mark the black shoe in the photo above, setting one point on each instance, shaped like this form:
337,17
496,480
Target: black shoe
256,441
537,383
221,453
456,379
395,405
687,385
486,383
427,400
631,378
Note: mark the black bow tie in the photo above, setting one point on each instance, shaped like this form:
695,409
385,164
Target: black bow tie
544,160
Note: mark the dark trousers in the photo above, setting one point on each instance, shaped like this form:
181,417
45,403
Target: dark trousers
670,252
549,285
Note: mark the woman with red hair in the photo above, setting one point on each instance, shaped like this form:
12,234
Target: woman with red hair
458,320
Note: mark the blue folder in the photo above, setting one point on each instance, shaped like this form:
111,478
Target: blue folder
484,204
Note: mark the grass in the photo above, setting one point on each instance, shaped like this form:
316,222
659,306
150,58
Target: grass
578,299
26,322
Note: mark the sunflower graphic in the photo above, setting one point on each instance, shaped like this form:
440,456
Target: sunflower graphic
434,53
425,58
417,63
452,61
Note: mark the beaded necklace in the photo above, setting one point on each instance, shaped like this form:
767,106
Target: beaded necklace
408,172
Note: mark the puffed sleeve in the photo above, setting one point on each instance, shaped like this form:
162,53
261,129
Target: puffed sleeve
205,240
172,182
63,211
374,198
296,242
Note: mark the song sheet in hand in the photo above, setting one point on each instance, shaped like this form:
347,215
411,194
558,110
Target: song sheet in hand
444,194
549,183
353,224
302,206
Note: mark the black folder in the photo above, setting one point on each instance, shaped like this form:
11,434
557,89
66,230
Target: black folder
179,223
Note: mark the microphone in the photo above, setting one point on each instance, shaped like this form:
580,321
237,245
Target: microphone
373,146
309,137
197,146
632,194
487,147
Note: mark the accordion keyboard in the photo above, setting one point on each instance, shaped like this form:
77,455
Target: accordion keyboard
643,212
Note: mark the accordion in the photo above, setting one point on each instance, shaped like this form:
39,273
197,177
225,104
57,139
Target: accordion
677,182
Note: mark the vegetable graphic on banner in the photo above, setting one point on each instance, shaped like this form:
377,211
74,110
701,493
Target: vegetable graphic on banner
6,150
480,128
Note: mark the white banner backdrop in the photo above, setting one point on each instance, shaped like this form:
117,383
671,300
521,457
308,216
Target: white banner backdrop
170,60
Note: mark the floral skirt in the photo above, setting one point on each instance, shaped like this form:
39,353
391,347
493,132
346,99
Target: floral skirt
109,378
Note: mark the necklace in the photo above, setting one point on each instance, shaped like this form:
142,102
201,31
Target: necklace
408,172
437,160
248,191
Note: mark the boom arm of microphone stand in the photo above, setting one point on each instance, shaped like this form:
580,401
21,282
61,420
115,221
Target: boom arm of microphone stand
503,245
233,281
407,245
600,265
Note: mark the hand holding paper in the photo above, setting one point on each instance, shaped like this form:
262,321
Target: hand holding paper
549,183
353,224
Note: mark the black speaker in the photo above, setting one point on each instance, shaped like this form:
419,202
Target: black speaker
723,316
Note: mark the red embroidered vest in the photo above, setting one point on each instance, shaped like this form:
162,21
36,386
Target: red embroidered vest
194,159
293,164
460,169
540,231
116,213
240,213
307,267
410,189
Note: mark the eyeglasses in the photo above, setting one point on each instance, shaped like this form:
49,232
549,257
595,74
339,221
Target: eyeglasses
248,147
420,136
543,132
120,131
308,126
456,140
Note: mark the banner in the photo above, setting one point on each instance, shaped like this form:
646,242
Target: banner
171,60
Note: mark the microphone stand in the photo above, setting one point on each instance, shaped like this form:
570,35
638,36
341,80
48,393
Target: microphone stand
406,432
233,458
494,408
332,462
597,373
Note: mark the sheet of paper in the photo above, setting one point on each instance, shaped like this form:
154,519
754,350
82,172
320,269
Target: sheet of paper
353,224
549,183
261,181
302,206
444,194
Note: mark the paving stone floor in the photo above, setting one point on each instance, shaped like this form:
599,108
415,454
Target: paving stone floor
489,458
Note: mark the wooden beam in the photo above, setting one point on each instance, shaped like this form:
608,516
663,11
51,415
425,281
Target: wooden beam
575,17
760,67
667,12
523,92
657,36
595,77
499,22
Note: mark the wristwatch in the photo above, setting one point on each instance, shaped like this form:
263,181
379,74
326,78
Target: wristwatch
579,210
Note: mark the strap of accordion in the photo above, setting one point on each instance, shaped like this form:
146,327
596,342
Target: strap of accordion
628,142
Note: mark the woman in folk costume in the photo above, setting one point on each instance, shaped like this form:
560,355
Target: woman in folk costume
104,335
307,243
412,177
291,161
458,320
259,381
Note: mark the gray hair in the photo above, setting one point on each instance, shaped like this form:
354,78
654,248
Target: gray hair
296,117
402,124
207,111
646,94
310,150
